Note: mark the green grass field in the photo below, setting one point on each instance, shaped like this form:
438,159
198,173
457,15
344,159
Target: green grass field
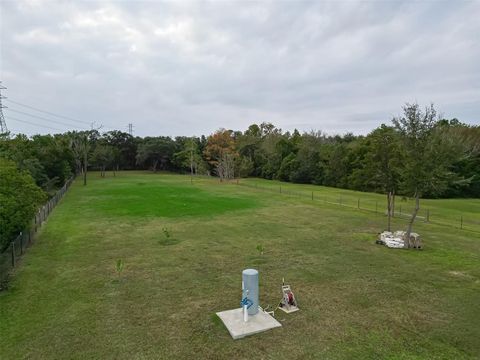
358,300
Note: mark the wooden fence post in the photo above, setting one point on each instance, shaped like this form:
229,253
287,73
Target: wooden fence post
13,253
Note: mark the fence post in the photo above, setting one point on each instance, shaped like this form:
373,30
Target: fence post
358,203
461,221
13,253
312,195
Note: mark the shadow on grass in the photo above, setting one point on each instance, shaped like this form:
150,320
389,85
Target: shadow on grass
168,241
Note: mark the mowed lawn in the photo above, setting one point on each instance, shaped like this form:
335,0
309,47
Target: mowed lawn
358,300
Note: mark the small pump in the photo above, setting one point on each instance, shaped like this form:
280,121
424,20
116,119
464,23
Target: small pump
288,302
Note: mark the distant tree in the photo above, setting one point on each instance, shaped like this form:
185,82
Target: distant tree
157,150
466,166
189,157
382,164
20,198
103,156
125,148
335,165
220,152
269,156
80,143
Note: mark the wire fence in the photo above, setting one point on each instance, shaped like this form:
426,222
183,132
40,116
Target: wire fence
401,211
11,255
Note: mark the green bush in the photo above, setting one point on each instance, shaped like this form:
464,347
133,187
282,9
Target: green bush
20,198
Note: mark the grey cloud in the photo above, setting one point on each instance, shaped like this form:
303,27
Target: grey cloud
185,68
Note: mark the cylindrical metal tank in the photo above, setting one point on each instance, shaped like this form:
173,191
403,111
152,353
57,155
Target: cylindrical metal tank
250,289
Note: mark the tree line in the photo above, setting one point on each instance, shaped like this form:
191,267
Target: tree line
419,154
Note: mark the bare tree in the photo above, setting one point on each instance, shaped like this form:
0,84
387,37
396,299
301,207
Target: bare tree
80,145
225,166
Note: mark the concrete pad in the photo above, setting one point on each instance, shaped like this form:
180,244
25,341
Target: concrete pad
290,310
233,320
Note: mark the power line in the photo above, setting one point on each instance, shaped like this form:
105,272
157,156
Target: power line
56,115
48,112
31,123
45,119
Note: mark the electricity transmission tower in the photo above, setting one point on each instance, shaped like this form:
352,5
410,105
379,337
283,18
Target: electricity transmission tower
130,129
3,124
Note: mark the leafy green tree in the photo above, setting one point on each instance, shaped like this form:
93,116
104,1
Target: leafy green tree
103,156
334,164
124,147
155,151
189,157
248,145
55,155
269,158
307,165
20,198
427,156
382,164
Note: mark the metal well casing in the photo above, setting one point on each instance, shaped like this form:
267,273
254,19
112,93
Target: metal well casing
250,289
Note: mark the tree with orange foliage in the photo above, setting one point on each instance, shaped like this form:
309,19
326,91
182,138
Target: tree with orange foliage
220,152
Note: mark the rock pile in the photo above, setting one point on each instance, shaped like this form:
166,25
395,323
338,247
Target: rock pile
396,240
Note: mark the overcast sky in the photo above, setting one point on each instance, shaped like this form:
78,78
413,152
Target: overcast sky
189,68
